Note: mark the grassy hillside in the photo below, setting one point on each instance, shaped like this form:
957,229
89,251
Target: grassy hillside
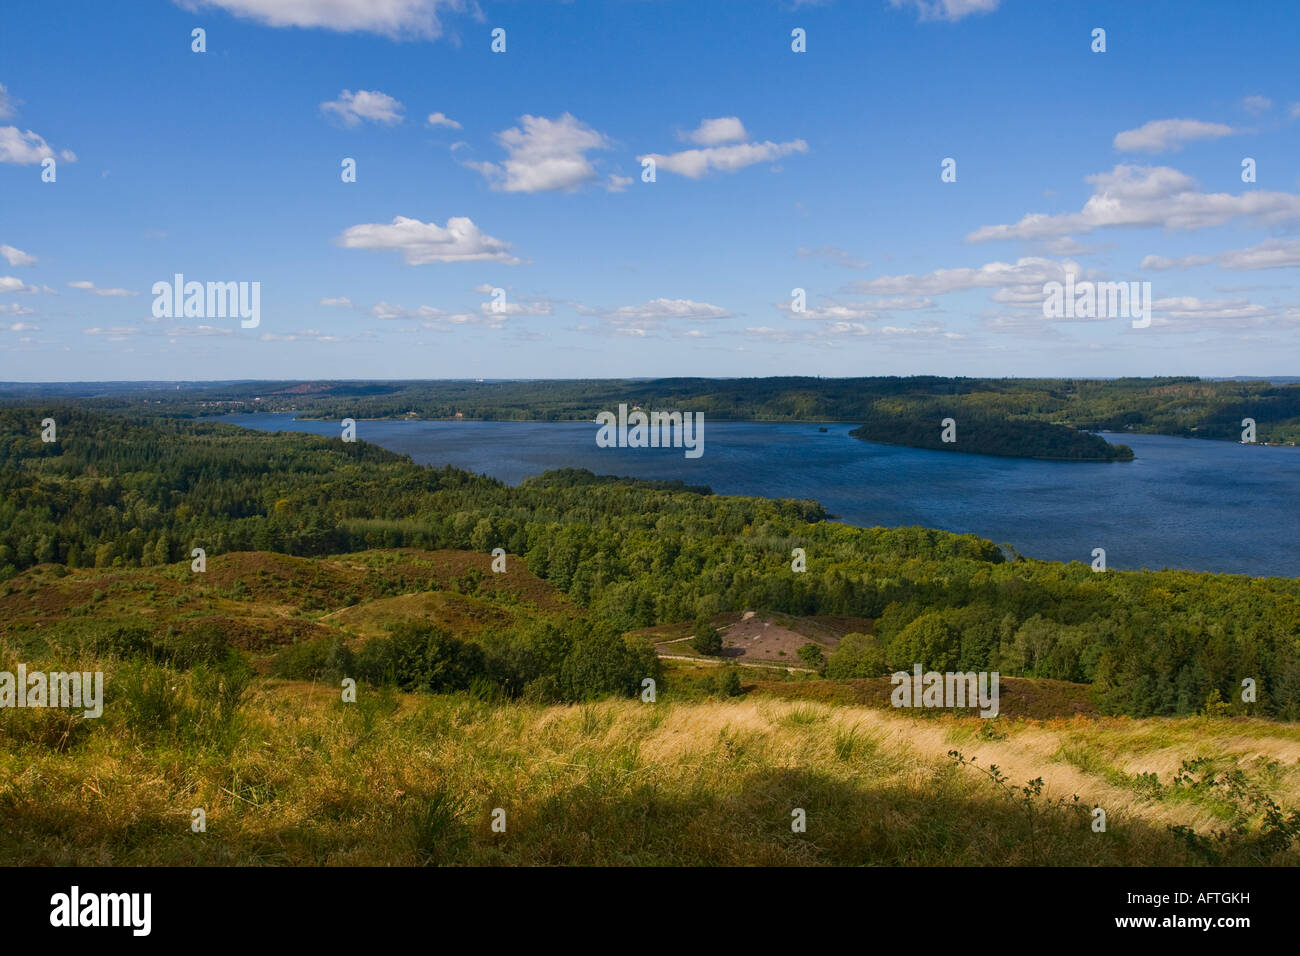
294,776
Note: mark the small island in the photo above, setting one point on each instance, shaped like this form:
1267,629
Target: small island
988,435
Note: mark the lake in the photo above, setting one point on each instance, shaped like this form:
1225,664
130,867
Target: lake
1184,503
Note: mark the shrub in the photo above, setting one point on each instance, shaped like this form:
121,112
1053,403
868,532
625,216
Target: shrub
811,654
420,656
322,659
706,639
858,655
603,663
729,683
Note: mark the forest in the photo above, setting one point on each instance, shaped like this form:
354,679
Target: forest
126,491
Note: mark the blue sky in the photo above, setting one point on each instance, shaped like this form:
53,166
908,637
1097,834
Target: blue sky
522,171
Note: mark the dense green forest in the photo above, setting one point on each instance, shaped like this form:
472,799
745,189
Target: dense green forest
124,491
1018,417
918,426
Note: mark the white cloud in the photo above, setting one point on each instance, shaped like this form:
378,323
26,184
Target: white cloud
1169,134
1270,254
517,307
544,155
193,332
1150,196
24,149
15,309
90,287
23,327
1256,104
421,243
1190,314
1190,307
441,119
341,301
950,10
16,257
304,335
694,163
658,309
352,109
13,284
398,19
653,315
8,105
616,184
1030,271
117,333
832,312
713,132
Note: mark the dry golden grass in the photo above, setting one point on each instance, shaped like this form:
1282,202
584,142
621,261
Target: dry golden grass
299,777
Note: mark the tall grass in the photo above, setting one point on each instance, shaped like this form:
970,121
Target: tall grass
288,773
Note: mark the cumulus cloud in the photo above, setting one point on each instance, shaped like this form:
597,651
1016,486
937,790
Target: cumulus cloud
653,315
116,333
441,119
304,335
1029,271
1270,254
1191,314
351,109
516,307
422,243
16,257
694,163
22,327
90,287
14,284
950,10
658,310
24,149
398,19
1190,307
544,155
832,312
1158,136
194,332
713,132
1150,196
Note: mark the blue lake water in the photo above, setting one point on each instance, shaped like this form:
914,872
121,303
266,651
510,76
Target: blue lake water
1184,503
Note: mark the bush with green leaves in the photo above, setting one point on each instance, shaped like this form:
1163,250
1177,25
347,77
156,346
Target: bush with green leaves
321,659
812,655
420,656
706,638
857,656
604,662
